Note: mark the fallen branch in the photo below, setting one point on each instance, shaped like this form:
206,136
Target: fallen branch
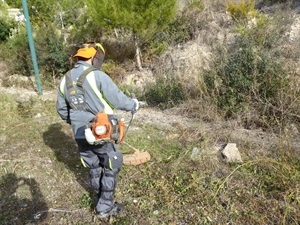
40,213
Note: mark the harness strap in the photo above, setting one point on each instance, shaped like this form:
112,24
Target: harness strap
83,76
69,81
79,83
91,80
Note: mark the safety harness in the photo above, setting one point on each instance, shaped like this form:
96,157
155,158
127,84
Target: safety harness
75,90
105,127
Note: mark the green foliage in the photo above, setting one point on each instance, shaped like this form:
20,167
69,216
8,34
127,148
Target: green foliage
16,54
141,19
85,201
144,18
6,23
42,12
274,181
9,108
165,92
179,30
14,3
196,4
52,53
241,11
115,71
62,13
157,47
4,29
250,72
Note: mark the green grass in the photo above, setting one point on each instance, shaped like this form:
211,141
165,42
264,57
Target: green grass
43,182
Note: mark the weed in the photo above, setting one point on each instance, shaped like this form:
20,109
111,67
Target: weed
170,189
166,93
241,11
85,201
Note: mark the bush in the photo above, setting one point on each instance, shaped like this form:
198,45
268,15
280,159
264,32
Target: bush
241,11
16,54
5,29
249,72
178,31
165,93
115,71
52,54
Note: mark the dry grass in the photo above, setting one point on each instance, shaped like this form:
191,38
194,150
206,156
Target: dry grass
42,181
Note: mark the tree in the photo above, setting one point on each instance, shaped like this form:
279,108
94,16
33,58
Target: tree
14,3
43,12
62,13
6,23
143,18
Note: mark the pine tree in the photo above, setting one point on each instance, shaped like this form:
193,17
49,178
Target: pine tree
143,18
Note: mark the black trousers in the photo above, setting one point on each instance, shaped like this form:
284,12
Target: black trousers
104,163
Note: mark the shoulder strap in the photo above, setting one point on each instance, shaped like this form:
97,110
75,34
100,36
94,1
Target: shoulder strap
69,81
83,76
75,95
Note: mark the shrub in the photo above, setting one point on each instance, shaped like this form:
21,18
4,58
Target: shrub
16,54
115,71
250,71
5,29
178,31
241,11
52,53
166,92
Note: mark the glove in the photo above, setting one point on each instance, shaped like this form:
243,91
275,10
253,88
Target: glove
136,106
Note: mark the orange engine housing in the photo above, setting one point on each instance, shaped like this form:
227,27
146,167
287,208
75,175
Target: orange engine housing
107,128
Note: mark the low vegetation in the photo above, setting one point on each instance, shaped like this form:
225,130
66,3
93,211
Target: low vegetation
43,182
251,82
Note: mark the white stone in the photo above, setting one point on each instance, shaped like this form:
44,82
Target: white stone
231,153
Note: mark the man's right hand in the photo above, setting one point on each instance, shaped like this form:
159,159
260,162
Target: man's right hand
136,106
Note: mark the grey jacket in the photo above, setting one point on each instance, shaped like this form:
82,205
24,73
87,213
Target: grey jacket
101,95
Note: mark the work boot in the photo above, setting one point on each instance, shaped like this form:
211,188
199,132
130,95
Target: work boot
116,209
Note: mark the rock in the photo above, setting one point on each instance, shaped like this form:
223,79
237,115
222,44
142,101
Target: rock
195,154
230,153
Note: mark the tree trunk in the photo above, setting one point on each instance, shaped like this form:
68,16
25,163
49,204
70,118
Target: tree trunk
138,54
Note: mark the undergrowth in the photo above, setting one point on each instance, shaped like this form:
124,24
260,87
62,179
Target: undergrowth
42,180
255,72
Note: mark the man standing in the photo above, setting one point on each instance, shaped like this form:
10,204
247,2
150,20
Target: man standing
83,92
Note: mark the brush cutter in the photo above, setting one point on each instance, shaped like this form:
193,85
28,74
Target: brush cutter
136,158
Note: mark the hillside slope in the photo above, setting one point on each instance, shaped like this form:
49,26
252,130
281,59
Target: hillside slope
42,180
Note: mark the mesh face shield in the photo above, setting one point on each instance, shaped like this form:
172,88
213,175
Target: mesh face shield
98,59
100,54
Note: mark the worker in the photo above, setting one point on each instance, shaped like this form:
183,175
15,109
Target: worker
78,106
